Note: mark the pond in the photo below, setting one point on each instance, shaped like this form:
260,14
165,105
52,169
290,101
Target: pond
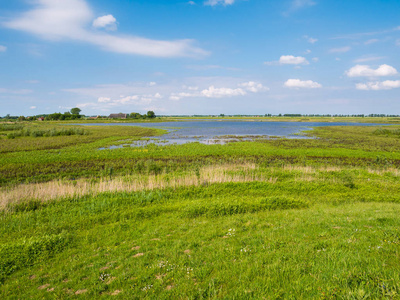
221,132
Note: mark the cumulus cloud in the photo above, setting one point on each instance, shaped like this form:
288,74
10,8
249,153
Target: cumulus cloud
297,83
123,101
366,71
223,92
377,86
108,22
253,86
3,48
68,20
340,50
293,60
32,107
213,92
219,2
288,60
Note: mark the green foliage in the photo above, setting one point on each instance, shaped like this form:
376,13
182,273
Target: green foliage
150,114
275,203
18,255
27,132
387,132
75,111
10,127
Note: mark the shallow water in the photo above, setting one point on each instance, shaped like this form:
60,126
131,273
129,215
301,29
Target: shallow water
221,132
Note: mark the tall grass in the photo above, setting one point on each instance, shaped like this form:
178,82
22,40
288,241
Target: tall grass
46,133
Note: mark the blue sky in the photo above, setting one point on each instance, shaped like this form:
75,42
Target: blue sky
200,56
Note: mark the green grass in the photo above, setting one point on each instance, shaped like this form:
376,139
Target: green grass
204,243
326,226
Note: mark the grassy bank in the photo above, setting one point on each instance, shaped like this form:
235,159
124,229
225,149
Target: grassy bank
275,219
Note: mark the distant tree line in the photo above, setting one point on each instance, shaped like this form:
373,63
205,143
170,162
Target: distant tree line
73,114
149,115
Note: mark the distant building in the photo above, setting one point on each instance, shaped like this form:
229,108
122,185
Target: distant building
40,119
118,116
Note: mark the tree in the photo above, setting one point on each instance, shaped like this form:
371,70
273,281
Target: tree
135,115
151,114
75,111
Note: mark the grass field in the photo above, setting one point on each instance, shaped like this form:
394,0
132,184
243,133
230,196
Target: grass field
269,219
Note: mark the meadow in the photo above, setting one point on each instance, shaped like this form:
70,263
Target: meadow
264,219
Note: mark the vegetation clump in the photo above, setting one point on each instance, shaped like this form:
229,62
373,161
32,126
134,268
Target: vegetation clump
46,133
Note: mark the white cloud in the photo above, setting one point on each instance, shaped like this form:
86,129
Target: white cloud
377,86
68,20
179,96
3,48
191,3
108,22
213,92
103,99
297,83
253,86
371,41
152,83
310,39
140,95
219,2
368,58
293,60
340,50
315,59
366,71
223,92
123,101
32,107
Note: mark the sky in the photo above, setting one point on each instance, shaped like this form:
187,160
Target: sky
180,57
